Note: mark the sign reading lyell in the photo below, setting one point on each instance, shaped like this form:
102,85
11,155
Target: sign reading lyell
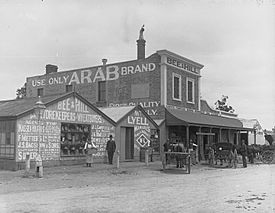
92,75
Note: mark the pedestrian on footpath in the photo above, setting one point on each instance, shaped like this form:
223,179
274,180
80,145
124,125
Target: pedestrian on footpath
244,153
230,158
89,149
211,156
111,148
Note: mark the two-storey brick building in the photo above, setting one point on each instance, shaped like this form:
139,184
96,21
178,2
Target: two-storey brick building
165,84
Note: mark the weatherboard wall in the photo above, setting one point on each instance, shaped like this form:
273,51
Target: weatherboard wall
142,128
48,130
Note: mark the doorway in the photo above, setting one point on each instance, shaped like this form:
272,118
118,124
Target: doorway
129,143
204,141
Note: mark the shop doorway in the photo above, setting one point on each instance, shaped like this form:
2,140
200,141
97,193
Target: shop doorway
204,141
129,143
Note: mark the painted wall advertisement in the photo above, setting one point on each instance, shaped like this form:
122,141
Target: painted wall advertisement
91,75
142,130
150,107
46,131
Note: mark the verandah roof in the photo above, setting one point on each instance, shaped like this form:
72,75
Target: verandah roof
187,117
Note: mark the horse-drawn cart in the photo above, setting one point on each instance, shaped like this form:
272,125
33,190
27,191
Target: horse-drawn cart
181,160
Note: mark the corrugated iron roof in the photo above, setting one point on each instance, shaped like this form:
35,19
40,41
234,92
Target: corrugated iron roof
18,106
116,113
158,121
181,116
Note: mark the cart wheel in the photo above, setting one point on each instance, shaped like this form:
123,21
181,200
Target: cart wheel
267,156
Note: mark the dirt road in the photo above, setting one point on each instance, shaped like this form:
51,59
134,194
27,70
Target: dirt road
140,189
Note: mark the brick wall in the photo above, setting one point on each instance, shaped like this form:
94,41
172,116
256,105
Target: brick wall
184,75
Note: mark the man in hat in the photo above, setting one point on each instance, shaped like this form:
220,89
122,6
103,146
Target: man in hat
111,148
244,152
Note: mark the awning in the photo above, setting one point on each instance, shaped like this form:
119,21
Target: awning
187,117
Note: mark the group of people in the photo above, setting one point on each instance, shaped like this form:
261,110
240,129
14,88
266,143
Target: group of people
90,149
233,155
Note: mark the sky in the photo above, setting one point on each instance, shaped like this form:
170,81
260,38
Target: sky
233,39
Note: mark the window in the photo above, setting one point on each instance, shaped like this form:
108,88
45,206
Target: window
7,144
73,137
102,91
190,90
176,84
40,92
69,88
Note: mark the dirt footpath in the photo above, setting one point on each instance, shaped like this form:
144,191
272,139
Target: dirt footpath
137,188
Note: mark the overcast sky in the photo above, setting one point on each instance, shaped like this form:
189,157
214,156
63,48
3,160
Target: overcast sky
233,39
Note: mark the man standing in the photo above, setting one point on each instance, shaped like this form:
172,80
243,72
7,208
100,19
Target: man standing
244,153
111,148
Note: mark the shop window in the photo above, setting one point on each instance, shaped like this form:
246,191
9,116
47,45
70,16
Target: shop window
8,139
190,90
102,91
176,84
40,91
69,88
2,138
7,144
140,90
73,138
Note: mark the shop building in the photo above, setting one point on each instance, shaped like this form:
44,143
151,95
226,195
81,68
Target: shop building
135,132
165,84
256,134
59,132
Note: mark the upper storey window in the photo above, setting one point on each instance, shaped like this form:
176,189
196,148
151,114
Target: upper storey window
102,91
190,90
176,84
40,92
69,88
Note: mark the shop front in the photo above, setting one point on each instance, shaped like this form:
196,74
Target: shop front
58,133
136,132
195,131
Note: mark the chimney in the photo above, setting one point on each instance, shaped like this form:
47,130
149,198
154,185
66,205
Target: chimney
104,61
141,45
51,68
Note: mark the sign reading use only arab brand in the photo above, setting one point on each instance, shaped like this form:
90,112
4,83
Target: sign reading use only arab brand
91,75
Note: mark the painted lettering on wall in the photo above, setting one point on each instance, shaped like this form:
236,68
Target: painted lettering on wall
112,72
72,110
141,128
99,136
182,65
149,106
48,131
29,132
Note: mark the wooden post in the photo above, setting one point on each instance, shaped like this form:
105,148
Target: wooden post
146,157
187,138
255,136
27,166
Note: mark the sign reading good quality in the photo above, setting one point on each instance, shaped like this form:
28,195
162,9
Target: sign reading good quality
150,106
92,75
